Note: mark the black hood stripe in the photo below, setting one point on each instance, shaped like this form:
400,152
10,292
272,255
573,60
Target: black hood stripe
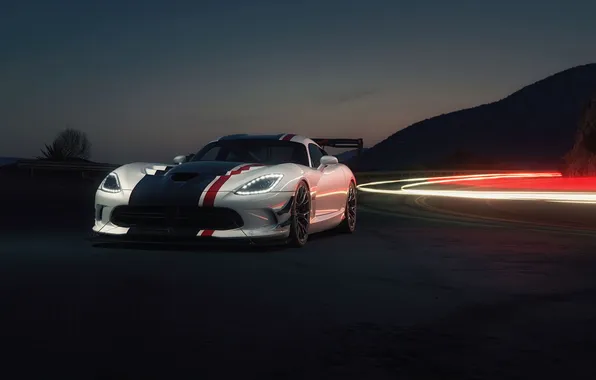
161,190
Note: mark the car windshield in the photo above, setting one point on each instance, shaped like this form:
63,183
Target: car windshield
263,151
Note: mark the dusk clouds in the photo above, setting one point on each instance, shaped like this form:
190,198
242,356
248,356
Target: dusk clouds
147,80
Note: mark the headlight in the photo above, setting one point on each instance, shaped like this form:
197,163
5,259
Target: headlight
260,185
111,184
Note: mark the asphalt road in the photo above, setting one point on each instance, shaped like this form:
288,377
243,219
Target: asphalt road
416,292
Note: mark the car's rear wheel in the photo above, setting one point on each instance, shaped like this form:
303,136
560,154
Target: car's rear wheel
348,225
300,216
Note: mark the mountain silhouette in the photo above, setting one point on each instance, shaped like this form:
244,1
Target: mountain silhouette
532,128
348,155
8,160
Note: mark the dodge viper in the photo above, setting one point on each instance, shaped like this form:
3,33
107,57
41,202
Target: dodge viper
250,187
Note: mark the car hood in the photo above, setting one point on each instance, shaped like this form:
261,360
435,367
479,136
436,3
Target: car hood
188,183
213,168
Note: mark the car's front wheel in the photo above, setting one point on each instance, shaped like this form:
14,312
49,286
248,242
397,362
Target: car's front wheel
300,216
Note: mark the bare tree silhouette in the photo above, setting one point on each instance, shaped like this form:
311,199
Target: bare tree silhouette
68,144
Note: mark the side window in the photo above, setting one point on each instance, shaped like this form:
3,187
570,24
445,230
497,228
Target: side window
315,155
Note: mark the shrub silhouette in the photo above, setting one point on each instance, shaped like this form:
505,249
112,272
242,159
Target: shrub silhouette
68,145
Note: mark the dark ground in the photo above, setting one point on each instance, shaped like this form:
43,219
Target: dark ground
412,295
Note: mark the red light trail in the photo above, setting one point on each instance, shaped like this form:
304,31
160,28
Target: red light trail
548,186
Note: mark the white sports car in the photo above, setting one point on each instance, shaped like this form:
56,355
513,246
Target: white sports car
246,187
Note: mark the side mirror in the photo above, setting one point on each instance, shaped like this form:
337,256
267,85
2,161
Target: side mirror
180,159
329,160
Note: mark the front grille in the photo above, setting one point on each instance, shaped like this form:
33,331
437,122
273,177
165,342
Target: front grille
202,218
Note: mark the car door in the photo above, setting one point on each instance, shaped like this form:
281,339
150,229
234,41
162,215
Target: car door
330,190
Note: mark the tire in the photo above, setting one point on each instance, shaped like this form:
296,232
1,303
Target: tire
348,225
300,216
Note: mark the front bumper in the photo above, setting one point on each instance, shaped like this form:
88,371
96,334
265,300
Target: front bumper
263,216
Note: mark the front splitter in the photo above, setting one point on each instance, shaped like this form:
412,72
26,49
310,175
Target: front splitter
198,241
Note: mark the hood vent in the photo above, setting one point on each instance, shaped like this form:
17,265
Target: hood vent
183,177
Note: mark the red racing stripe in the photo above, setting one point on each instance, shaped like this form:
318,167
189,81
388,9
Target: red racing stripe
212,192
288,137
207,233
243,168
209,200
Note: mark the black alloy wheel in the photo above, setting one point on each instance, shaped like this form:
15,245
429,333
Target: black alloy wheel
349,223
300,216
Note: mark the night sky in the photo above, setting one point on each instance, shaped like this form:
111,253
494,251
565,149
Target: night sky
148,80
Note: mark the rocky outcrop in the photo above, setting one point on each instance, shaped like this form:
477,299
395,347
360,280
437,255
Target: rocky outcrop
581,160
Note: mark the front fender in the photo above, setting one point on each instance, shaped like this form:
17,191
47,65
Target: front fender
349,174
130,174
292,173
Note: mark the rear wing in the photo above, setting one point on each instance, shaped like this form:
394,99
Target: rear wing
341,143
